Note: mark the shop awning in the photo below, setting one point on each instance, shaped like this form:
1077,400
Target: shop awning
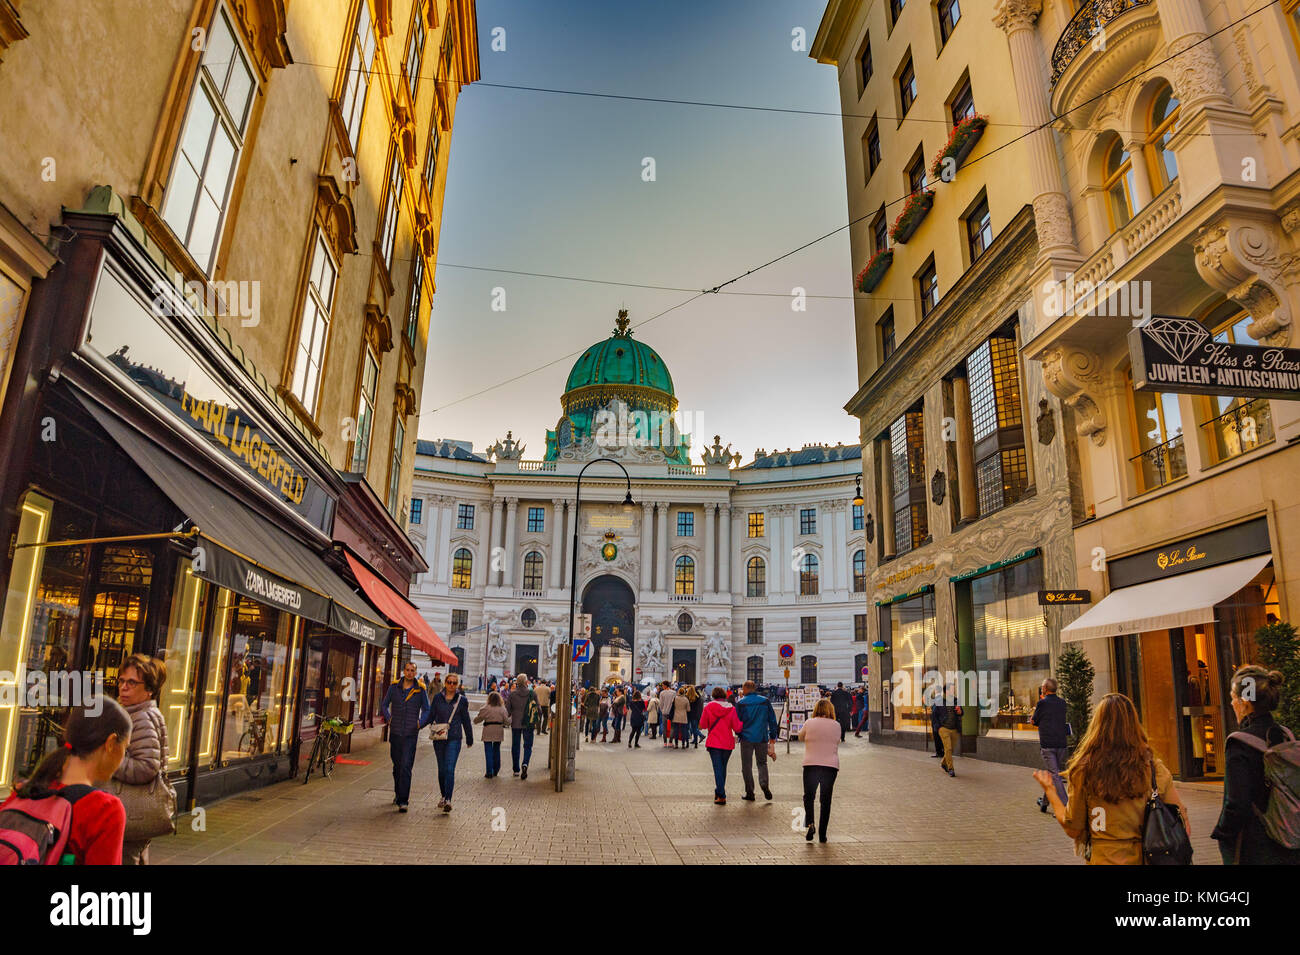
401,612
1182,601
249,555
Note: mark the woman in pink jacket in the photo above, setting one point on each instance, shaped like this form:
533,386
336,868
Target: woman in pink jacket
723,723
821,764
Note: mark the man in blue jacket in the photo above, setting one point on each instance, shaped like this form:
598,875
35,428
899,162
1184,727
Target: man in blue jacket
760,728
406,710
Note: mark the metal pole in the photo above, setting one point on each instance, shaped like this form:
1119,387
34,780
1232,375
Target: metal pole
787,711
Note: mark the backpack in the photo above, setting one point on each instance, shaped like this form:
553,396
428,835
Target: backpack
35,831
532,711
1281,818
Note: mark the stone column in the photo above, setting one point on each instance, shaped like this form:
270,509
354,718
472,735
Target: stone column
663,584
707,558
966,491
512,535
441,548
557,542
724,548
1198,75
491,520
843,560
830,561
571,515
791,583
1143,188
497,529
1046,188
776,546
647,546
1027,421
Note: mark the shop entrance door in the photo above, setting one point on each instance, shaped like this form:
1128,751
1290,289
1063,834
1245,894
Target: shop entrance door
1200,719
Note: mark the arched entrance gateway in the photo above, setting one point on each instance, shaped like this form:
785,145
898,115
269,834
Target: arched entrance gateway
612,606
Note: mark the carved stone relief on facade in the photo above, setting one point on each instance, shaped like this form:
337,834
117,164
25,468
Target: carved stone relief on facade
1253,264
1075,375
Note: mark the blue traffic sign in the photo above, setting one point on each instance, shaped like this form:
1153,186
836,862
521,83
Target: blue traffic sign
787,651
581,651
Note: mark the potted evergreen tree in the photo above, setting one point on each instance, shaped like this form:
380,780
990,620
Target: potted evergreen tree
1074,676
1279,649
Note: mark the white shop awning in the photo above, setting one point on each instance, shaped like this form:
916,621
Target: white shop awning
1182,601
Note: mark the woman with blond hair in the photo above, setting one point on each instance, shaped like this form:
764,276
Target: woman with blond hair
1109,779
821,764
144,767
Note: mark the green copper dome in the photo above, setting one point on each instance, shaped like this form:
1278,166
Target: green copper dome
623,370
620,360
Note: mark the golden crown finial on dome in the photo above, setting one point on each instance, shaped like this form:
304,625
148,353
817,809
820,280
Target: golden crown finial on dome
621,324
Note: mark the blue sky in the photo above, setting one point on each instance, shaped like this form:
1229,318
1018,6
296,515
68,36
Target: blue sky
552,183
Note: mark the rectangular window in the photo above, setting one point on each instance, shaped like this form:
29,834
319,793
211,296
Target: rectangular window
365,413
807,629
417,291
929,283
949,14
963,103
871,147
756,528
210,144
880,231
916,174
754,630
754,669
886,324
895,9
857,517
392,209
913,649
685,524
446,55
357,82
395,466
417,510
465,517
1158,428
859,628
536,520
907,86
864,62
459,621
415,51
907,455
314,329
808,520
1001,470
979,230
431,156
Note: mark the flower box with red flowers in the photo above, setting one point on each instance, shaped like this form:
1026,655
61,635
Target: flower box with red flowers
874,270
961,141
915,209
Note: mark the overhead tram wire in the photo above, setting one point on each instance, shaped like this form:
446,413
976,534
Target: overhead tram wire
717,288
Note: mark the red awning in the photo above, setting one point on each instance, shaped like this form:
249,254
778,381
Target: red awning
401,612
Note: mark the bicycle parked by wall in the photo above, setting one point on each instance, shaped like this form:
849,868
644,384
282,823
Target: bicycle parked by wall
329,740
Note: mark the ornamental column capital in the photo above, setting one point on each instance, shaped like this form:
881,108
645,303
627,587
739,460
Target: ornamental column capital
1012,16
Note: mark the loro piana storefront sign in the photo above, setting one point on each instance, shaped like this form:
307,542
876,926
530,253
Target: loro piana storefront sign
1172,354
1195,553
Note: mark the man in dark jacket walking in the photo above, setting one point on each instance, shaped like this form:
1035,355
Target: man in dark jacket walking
406,709
843,704
760,728
947,714
1049,717
521,728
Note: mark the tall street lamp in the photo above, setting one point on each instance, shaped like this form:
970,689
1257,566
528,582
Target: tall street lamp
566,682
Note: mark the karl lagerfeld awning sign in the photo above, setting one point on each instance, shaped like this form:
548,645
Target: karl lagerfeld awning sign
1173,354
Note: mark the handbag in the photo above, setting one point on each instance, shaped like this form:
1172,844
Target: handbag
149,808
438,731
1164,838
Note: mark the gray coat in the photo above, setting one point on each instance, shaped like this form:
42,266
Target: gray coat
517,704
146,756
494,719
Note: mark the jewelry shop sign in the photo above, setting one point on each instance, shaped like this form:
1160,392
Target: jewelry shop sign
1172,354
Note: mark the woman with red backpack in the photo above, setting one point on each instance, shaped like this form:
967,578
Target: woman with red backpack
57,816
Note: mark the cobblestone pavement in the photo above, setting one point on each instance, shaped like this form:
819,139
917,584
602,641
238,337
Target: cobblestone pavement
654,805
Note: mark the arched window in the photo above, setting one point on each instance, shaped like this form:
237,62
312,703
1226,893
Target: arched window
808,573
859,571
754,669
459,665
533,570
462,567
755,578
860,663
685,580
1164,117
528,618
1118,184
808,669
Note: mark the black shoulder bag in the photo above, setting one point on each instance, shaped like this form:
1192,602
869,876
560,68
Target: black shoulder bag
1164,837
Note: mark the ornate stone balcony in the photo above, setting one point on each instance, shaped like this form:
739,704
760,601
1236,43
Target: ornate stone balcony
1159,214
1087,28
1103,42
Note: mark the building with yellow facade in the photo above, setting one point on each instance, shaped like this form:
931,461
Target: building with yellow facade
218,240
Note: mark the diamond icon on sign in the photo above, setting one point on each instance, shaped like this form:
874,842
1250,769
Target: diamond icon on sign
1178,336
